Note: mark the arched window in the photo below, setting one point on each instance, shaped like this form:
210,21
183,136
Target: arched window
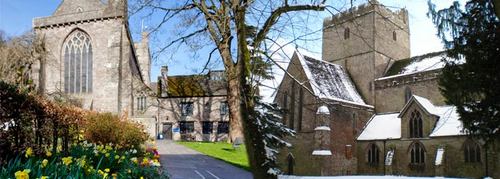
78,55
394,36
417,154
408,94
472,152
346,33
291,163
373,154
416,125
141,102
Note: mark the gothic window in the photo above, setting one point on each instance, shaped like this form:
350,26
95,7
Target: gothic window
301,104
346,33
291,163
408,94
394,36
292,108
186,108
416,125
472,152
78,56
373,154
141,102
285,100
417,154
354,123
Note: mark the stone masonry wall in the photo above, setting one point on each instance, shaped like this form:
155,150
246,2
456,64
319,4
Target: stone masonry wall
390,91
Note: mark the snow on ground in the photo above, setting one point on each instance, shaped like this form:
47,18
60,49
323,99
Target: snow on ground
355,177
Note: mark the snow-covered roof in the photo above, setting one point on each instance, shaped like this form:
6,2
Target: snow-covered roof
328,80
382,126
426,62
388,126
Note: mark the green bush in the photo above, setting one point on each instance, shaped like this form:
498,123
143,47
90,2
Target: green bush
105,128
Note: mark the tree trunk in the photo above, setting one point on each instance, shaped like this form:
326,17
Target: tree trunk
254,140
234,101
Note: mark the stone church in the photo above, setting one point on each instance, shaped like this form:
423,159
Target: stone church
367,107
93,60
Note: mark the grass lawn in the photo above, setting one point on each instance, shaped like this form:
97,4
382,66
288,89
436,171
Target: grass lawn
222,151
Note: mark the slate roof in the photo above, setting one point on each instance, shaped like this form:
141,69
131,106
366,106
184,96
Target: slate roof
429,61
388,126
329,80
195,86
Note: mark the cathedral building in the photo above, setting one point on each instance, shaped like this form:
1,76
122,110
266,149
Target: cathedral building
93,60
367,107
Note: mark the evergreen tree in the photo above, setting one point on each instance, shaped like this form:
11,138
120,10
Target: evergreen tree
471,80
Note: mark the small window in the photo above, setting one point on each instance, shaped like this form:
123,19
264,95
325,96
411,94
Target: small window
207,127
373,155
348,152
354,123
186,108
417,154
408,94
291,163
416,125
285,100
346,33
394,36
472,152
186,127
224,108
223,127
141,103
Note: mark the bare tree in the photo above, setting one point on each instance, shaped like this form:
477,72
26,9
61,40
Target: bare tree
17,55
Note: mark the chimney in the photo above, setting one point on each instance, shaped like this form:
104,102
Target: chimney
164,81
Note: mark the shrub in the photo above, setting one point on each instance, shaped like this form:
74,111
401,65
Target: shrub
105,128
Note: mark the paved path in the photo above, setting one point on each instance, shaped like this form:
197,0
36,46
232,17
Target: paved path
184,163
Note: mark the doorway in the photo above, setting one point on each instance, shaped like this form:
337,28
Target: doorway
167,131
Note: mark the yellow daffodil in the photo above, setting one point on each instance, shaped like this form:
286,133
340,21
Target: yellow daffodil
117,157
82,162
107,154
29,152
142,178
114,175
134,159
145,162
106,170
59,149
123,158
22,174
129,171
44,163
44,177
67,160
48,153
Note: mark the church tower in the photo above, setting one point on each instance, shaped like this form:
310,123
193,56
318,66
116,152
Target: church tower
366,40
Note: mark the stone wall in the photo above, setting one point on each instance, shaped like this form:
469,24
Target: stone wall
204,109
346,122
390,91
454,164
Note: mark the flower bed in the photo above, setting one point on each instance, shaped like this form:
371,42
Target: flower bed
86,160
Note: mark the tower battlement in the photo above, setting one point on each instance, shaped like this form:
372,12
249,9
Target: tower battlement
400,15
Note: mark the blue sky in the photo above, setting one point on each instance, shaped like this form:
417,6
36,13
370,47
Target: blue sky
16,18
